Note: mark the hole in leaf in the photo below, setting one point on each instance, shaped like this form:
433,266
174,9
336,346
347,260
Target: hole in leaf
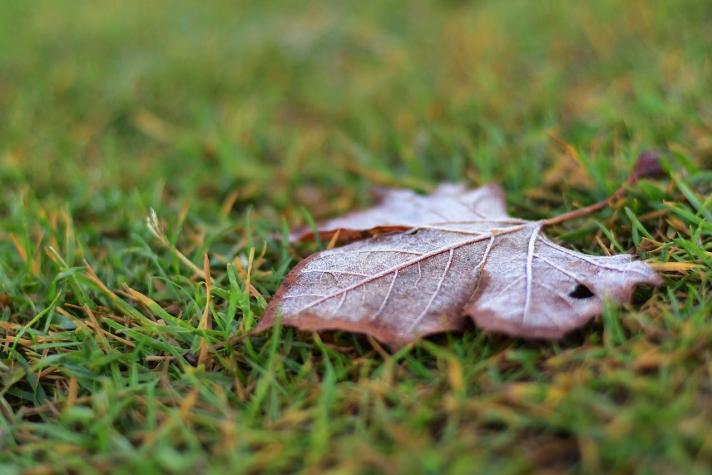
642,293
581,292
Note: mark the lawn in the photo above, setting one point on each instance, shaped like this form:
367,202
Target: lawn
236,121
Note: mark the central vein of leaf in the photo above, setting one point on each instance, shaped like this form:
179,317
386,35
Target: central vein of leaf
530,271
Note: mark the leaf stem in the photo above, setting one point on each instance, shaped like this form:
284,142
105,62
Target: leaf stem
647,166
581,212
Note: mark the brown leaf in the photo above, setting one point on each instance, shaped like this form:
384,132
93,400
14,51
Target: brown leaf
461,256
400,210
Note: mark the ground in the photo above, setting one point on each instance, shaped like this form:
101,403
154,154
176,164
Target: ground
235,121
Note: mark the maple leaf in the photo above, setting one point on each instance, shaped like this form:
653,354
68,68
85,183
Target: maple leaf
457,254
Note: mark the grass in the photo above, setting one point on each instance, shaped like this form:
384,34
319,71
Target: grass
237,120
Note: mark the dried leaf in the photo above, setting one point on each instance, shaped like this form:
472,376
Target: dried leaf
400,210
461,256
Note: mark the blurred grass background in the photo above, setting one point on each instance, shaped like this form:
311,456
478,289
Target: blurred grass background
236,120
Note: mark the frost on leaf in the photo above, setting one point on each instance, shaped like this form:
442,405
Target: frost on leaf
400,210
460,256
